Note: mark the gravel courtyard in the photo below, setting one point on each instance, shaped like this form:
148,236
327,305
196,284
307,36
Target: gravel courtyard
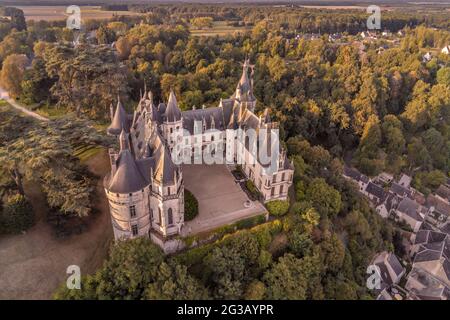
221,200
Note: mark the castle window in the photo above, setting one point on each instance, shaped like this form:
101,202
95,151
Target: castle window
170,216
134,229
272,192
281,189
282,177
160,216
133,211
274,179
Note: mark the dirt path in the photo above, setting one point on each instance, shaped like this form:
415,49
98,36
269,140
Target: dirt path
5,96
33,265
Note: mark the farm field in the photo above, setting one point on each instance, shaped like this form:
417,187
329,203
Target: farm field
220,28
53,13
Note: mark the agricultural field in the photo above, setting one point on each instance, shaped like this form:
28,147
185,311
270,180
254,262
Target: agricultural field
54,13
220,28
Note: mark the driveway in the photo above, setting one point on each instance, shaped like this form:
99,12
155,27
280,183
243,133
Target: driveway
221,200
5,96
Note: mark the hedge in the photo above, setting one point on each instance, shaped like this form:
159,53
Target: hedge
190,206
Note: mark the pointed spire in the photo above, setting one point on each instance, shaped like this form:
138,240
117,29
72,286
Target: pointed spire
172,113
150,96
123,140
165,168
111,112
266,116
213,122
119,121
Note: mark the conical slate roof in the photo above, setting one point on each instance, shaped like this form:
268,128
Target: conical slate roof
127,177
165,168
172,112
120,121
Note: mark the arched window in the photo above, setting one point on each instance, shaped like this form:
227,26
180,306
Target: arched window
170,216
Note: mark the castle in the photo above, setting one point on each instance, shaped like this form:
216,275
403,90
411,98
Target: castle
145,187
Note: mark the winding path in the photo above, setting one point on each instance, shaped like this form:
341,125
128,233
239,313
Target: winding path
5,96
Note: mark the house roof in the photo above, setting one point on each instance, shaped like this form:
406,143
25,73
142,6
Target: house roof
400,190
410,208
351,173
443,192
438,204
376,191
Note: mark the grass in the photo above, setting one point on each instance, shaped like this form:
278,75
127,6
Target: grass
220,28
51,112
84,153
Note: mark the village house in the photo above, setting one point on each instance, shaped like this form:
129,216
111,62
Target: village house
429,278
390,270
411,213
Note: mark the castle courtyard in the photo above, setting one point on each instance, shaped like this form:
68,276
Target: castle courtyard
221,200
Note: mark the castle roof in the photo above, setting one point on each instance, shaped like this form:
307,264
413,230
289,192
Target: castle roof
165,168
172,112
120,121
127,177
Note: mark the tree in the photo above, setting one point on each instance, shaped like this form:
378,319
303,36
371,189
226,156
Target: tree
277,207
104,35
443,76
12,73
202,22
231,266
129,270
88,78
17,214
172,282
323,197
36,83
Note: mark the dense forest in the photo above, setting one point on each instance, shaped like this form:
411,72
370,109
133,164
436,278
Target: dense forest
375,104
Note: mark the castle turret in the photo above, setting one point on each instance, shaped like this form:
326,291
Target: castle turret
120,121
172,122
244,89
127,191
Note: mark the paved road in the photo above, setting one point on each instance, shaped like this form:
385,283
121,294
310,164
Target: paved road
5,96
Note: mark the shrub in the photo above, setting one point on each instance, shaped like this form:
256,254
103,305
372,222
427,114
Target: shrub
252,189
17,215
190,206
277,207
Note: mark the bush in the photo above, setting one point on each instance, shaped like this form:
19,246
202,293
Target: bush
277,207
17,215
254,192
190,206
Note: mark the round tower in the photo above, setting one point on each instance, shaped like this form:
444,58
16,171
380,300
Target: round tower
127,190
